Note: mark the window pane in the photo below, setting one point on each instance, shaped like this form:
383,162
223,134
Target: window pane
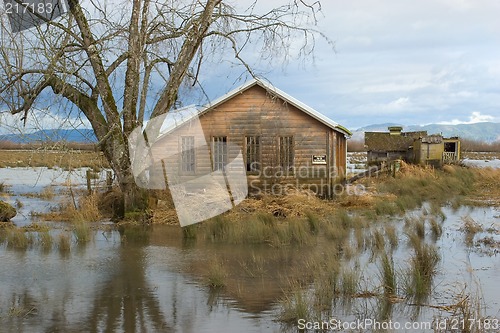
253,153
220,152
187,154
286,152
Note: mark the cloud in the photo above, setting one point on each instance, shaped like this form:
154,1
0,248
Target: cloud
39,120
475,117
398,103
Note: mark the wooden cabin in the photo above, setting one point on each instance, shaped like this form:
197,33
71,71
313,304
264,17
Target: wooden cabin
284,143
413,147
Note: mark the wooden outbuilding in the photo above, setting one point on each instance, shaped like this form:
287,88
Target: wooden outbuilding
413,147
284,143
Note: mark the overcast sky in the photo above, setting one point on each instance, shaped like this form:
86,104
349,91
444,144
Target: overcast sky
402,61
399,61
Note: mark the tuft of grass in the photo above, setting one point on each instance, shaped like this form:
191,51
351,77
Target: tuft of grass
19,239
20,311
470,226
436,228
18,203
88,209
420,228
216,274
64,242
335,232
218,228
421,272
189,232
299,232
295,306
313,222
469,308
384,207
407,202
378,241
349,282
45,240
47,193
388,275
392,236
343,218
82,232
360,239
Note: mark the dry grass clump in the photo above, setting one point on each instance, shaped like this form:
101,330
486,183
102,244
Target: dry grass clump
294,204
87,210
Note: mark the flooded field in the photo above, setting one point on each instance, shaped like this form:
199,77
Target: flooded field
157,279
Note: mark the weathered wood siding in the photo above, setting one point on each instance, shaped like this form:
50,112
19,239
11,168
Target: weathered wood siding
256,112
428,153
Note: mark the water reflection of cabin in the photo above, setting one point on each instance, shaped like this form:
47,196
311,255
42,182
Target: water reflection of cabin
277,135
414,147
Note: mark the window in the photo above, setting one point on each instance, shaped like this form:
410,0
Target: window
253,153
187,154
219,152
286,152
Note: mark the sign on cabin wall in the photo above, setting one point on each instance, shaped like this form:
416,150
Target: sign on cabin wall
319,159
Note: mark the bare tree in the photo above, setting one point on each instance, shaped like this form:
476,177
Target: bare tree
119,63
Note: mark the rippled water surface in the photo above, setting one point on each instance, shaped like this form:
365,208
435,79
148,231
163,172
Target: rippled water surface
156,283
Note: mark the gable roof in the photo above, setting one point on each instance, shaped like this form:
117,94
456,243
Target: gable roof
178,117
282,95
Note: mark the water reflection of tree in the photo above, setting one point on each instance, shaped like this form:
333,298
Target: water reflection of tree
126,302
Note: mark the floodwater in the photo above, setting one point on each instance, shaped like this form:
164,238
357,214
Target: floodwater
112,287
153,280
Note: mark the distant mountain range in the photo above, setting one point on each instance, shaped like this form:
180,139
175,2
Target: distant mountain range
54,135
485,131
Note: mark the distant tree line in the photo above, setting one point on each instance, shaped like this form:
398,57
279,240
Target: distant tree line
48,145
354,145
